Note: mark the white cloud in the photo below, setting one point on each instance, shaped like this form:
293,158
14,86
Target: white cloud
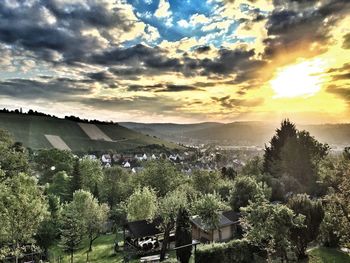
163,10
183,23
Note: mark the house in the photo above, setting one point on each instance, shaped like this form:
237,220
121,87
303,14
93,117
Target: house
106,158
227,230
126,165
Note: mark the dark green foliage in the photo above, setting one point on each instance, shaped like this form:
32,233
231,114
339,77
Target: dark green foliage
244,189
72,230
183,235
292,157
13,157
60,186
235,251
76,177
160,175
49,162
205,182
116,186
229,173
47,234
314,214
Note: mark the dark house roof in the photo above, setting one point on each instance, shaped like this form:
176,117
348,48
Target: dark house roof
232,215
143,228
226,219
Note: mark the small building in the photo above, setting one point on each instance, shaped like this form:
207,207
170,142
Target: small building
227,230
126,165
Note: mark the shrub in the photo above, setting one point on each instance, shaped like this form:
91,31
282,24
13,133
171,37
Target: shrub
235,251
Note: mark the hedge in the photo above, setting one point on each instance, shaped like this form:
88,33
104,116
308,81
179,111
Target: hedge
235,251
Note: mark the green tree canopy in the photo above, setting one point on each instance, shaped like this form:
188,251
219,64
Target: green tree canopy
50,161
22,209
246,189
293,156
161,176
142,204
269,227
209,208
116,186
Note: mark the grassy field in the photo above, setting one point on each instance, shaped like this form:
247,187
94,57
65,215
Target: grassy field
103,252
327,255
31,130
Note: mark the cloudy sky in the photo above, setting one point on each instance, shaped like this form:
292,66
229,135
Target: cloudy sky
177,60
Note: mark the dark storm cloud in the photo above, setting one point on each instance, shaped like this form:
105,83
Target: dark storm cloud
138,55
344,76
144,88
99,76
346,43
59,89
23,26
342,73
203,49
230,103
300,24
178,88
341,91
152,60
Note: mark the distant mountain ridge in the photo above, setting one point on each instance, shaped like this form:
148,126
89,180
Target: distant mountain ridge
238,133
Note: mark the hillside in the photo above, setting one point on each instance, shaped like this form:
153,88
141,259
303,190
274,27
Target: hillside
38,132
239,133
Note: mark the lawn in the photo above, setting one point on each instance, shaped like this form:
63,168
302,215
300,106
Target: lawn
327,255
103,252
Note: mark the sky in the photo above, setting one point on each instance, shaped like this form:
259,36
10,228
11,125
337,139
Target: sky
178,61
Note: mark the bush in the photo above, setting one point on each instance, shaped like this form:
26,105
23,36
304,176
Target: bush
235,251
170,260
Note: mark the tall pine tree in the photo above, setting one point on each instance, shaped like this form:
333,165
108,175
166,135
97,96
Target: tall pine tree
183,235
76,177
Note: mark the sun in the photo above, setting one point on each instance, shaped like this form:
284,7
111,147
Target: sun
301,79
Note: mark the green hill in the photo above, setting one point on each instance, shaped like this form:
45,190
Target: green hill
31,130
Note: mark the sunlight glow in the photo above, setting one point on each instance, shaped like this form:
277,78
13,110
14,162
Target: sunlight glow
302,79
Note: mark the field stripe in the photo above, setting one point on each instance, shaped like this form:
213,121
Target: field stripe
57,142
94,132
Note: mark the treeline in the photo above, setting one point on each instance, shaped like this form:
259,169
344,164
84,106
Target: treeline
71,117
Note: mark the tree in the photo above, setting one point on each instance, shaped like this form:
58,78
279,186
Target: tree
301,204
92,214
338,206
245,189
205,182
22,209
76,177
142,204
161,176
50,161
61,186
269,226
13,158
91,174
209,209
116,186
228,173
183,236
72,229
292,156
169,207
254,167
